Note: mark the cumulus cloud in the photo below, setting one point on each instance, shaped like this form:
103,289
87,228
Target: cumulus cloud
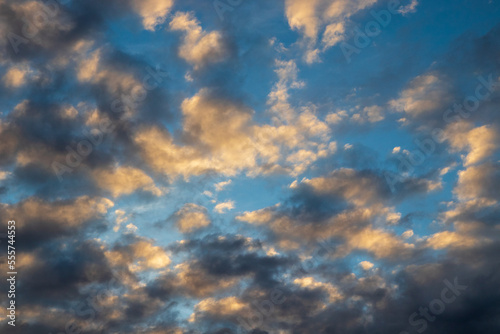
366,265
224,138
124,181
427,93
302,15
451,239
40,220
311,283
322,18
221,185
138,256
407,234
223,128
96,67
199,47
345,205
220,308
153,12
15,77
197,282
478,182
224,207
191,217
480,142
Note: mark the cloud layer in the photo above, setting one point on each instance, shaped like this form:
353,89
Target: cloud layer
220,167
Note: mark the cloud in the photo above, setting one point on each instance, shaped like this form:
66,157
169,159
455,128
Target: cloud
357,115
366,265
334,34
4,175
451,239
407,234
221,137
191,278
217,127
322,17
341,207
124,181
35,23
88,67
370,114
224,307
191,217
302,15
131,228
15,77
361,189
311,284
38,220
425,94
121,217
153,12
478,182
260,216
221,185
99,68
336,117
218,264
481,142
382,244
287,72
199,47
139,255
224,207
409,8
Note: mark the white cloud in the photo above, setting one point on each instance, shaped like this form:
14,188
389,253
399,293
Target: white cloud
16,76
221,185
480,142
425,94
328,18
224,207
199,47
4,175
407,234
131,228
153,12
192,217
124,180
409,8
366,265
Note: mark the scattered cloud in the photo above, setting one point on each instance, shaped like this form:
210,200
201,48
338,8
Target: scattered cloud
224,206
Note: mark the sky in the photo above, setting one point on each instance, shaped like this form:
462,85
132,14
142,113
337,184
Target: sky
250,166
